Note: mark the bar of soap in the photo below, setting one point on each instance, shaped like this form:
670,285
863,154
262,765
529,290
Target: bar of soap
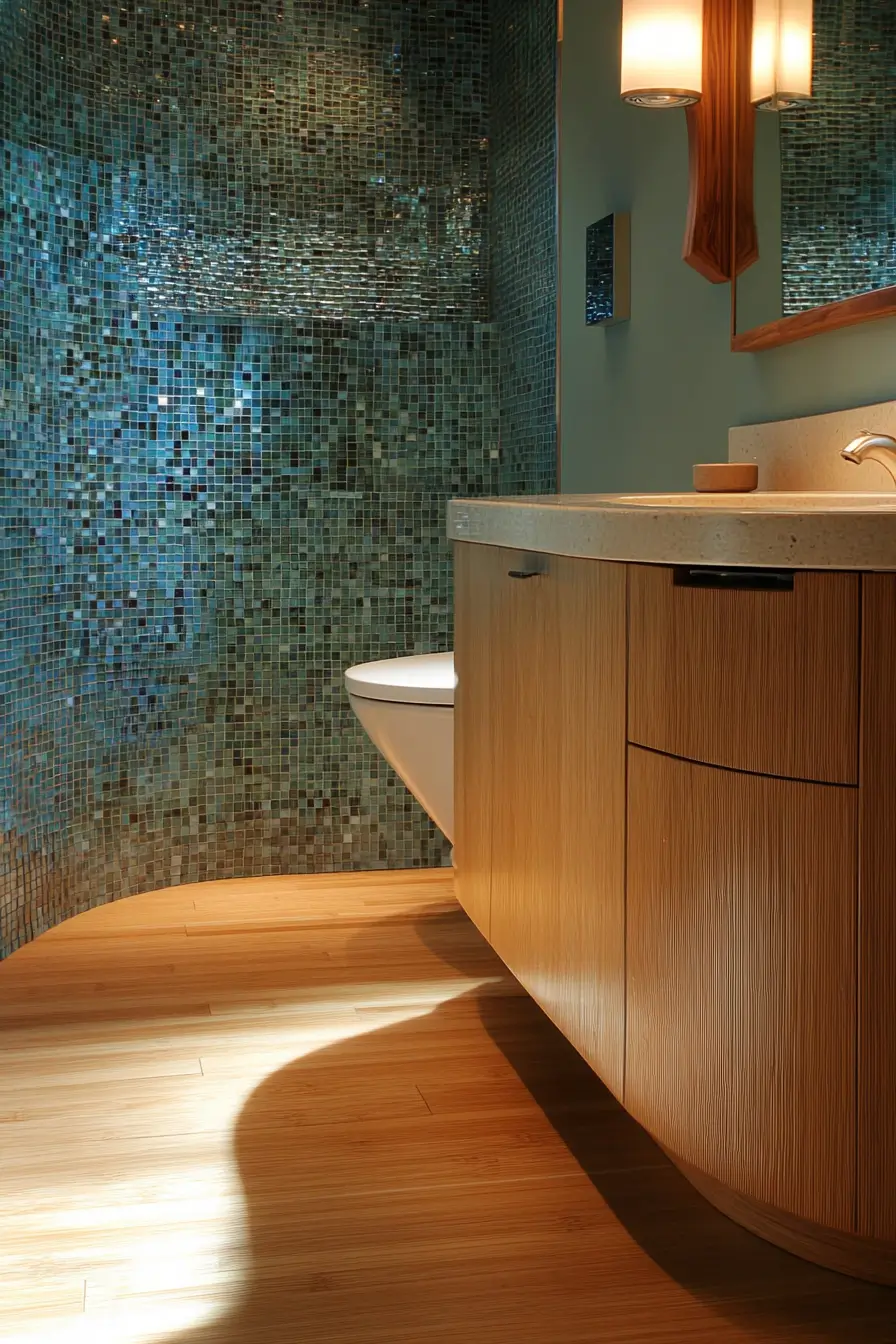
721,477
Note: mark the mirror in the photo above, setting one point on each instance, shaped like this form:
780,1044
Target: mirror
824,190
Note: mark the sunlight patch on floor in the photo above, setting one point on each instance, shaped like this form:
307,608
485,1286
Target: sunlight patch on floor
134,1256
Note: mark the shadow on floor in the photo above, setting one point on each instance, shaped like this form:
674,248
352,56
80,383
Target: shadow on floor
403,1232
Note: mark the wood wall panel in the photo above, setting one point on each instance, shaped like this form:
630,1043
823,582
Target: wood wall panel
558,887
877,911
741,980
761,681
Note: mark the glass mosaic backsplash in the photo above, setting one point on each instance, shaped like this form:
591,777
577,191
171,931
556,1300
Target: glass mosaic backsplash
257,326
838,160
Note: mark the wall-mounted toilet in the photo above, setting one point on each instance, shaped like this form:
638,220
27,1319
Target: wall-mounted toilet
406,706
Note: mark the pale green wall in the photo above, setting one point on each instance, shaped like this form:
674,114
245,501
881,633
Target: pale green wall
642,401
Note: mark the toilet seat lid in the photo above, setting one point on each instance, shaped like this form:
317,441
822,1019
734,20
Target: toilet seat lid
423,679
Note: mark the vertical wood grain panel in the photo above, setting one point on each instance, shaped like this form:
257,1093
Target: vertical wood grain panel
558,891
741,979
877,911
762,681
476,569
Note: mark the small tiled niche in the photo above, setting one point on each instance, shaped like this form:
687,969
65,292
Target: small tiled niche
608,271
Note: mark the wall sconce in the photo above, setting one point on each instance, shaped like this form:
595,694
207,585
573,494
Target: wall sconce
781,63
696,54
662,52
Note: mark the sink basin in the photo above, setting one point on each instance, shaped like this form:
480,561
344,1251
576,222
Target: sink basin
760,501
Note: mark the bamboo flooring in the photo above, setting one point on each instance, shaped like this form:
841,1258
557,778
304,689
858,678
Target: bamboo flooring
319,1111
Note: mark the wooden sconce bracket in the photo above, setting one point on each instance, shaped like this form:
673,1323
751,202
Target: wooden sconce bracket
720,239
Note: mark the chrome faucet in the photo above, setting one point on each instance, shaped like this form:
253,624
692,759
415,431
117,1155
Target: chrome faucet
878,447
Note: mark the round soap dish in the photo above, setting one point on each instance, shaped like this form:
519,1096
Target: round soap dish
724,477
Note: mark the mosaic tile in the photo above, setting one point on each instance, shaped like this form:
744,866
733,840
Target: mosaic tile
283,158
523,224
250,346
837,157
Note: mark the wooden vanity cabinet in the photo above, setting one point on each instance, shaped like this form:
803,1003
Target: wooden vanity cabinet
543,762
676,823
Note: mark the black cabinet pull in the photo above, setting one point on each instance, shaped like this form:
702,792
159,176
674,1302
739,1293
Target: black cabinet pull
746,580
524,573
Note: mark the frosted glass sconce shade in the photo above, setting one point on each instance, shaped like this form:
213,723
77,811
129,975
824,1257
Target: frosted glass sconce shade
662,52
781,75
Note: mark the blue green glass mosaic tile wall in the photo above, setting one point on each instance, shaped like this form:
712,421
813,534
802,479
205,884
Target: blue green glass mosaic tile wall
248,353
523,227
837,156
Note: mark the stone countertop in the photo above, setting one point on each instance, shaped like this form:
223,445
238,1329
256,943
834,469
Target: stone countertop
769,530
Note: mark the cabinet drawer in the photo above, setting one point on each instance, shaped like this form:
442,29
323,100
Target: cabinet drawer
753,678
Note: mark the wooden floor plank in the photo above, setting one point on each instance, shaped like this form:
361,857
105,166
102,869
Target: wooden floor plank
319,1111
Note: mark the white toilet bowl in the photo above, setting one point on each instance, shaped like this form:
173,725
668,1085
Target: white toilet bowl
406,706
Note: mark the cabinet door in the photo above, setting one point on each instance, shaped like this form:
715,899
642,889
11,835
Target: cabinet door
558,815
478,571
877,911
741,979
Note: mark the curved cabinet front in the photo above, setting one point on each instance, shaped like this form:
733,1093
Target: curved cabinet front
740,1054
676,815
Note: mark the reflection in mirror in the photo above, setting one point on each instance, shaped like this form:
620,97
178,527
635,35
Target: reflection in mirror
825,175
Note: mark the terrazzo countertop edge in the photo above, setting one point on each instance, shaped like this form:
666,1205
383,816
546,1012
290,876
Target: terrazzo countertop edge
600,528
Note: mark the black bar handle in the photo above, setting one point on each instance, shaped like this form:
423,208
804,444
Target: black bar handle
524,573
744,580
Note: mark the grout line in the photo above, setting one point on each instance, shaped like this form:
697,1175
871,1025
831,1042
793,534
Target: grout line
423,1099
84,1298
478,1183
